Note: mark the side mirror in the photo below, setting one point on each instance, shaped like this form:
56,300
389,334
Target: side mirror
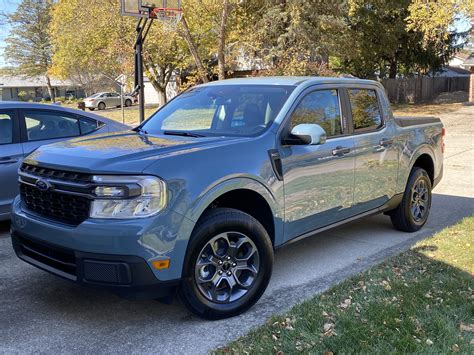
309,133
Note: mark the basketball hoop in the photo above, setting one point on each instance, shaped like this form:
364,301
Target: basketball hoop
169,16
169,12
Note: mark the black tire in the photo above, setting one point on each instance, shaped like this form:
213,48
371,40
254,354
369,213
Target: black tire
92,108
217,222
101,106
128,103
403,218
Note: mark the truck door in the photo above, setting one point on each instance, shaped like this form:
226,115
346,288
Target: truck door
376,156
318,179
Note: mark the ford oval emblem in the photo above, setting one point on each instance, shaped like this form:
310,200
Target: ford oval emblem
43,185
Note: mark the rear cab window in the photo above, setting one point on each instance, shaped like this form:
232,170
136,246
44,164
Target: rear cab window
366,113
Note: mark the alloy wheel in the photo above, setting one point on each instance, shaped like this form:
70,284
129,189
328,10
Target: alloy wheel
419,200
227,267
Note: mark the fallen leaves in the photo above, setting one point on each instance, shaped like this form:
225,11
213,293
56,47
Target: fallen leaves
329,329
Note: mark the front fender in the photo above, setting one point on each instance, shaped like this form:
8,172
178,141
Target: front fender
205,199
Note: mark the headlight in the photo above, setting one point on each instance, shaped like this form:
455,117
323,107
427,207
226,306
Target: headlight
125,197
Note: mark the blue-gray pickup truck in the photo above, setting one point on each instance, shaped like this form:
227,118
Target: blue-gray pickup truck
196,199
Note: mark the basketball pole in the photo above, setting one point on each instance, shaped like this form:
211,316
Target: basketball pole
142,29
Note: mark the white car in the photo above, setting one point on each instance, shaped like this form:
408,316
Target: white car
103,100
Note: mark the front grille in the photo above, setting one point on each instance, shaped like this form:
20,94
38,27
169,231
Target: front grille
57,258
63,206
56,174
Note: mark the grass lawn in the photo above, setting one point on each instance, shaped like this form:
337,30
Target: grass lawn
131,114
419,301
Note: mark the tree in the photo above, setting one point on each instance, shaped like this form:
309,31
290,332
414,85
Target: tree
28,43
388,38
90,38
293,37
163,55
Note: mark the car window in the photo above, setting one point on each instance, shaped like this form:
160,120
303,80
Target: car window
6,128
50,124
320,107
365,109
88,126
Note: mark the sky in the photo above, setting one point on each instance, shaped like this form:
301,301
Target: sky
9,6
6,7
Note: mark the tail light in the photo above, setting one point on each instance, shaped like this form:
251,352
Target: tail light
443,134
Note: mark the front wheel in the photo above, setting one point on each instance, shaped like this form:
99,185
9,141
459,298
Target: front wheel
101,106
413,211
228,265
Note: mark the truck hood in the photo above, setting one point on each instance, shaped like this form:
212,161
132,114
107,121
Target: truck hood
128,152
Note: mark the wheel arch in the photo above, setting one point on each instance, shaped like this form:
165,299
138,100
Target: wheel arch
424,158
247,195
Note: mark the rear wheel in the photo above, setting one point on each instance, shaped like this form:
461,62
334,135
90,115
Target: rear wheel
413,211
91,108
228,265
101,106
128,103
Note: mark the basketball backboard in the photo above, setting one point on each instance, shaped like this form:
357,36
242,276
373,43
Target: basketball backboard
159,9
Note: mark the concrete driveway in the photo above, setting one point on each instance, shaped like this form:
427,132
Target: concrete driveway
40,313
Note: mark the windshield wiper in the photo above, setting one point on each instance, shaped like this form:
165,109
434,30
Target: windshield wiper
183,134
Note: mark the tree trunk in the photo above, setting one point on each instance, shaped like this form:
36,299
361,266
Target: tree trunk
186,34
50,89
393,69
221,47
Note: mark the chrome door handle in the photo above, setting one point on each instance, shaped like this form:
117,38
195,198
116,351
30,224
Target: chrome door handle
340,151
386,142
8,161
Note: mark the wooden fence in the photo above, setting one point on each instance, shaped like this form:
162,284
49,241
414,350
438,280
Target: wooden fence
422,89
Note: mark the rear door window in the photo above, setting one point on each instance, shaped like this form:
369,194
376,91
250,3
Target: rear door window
88,126
42,125
366,114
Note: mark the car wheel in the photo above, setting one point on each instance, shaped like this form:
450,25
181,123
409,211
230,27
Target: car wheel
91,108
101,106
228,264
128,103
413,211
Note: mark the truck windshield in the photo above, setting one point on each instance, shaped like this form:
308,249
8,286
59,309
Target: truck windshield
235,110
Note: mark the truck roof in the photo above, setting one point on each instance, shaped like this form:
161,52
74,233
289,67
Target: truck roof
288,80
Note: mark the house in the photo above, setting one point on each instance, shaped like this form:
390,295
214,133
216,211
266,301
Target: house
151,95
22,88
451,71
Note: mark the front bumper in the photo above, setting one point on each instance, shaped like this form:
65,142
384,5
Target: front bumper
114,254
125,275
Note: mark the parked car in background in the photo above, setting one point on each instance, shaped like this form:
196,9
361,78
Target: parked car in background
26,126
102,100
200,195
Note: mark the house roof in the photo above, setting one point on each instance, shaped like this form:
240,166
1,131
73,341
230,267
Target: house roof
458,70
24,82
